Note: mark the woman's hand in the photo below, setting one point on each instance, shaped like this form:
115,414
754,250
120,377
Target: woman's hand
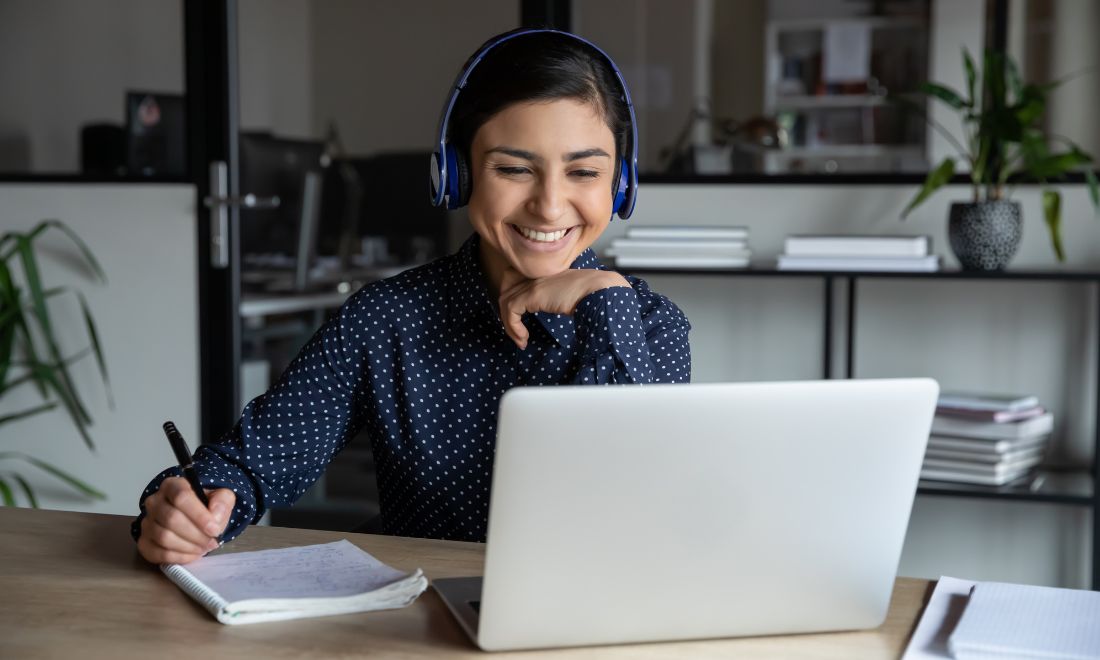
177,528
557,294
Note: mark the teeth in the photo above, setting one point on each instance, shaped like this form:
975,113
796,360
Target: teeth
542,237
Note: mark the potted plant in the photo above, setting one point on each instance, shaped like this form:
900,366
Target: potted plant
30,354
1004,142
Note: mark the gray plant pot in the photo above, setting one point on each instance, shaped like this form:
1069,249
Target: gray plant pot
984,235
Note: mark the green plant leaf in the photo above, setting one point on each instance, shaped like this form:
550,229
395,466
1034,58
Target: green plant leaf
945,94
94,336
45,373
1055,165
1030,105
971,76
27,490
29,412
1052,211
5,492
1094,188
89,258
38,301
57,472
933,182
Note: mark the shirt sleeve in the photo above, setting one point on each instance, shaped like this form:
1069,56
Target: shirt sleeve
631,335
287,436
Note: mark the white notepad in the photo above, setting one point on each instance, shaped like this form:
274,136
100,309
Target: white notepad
1020,621
292,583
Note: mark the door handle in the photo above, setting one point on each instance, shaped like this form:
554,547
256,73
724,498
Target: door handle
219,201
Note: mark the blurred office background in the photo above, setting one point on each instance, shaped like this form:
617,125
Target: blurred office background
336,104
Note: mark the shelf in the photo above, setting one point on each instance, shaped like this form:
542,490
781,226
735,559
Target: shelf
846,151
809,102
1058,487
806,24
766,271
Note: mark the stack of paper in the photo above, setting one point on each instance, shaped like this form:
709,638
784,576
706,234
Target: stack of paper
989,439
858,253
682,247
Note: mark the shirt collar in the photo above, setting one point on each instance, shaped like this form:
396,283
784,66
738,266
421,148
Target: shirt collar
469,302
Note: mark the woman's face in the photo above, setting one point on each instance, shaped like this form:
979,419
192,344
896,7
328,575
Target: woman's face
541,186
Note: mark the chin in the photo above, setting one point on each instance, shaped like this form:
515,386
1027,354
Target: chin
543,268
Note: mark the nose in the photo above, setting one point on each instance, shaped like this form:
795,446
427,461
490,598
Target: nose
547,199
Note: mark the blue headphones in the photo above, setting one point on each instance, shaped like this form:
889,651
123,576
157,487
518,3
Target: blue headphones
450,182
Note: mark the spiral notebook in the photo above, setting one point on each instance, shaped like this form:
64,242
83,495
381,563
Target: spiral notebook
293,583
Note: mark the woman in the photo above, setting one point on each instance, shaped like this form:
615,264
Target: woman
540,145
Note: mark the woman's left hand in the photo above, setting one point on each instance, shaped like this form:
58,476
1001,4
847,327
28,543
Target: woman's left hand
557,294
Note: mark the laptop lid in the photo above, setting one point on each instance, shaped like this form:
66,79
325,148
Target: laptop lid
664,512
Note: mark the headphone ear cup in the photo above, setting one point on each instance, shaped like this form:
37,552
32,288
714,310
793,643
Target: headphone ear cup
463,178
620,187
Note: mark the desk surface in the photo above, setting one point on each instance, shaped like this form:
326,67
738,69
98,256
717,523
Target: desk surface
73,585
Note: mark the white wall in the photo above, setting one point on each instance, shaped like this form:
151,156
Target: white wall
147,316
71,63
275,51
382,70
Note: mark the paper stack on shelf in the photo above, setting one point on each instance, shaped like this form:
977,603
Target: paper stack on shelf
858,253
988,439
682,247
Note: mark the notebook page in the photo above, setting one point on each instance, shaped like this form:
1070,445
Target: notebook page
326,570
1015,620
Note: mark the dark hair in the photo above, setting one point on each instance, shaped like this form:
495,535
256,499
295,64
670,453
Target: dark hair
541,66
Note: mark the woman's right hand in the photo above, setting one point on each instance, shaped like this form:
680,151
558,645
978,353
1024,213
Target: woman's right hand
177,528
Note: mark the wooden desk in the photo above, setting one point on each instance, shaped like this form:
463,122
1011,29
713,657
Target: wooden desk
73,586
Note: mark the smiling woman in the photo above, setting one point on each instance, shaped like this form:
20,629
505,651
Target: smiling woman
541,148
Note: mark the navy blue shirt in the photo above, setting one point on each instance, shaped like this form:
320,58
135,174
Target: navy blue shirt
421,360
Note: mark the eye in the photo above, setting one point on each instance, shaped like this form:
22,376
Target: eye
508,170
585,174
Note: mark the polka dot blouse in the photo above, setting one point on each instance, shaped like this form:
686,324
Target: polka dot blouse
421,360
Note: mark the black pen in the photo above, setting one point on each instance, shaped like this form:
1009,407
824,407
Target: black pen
183,457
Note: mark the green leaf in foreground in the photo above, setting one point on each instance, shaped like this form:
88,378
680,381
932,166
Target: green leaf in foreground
935,180
1052,211
57,472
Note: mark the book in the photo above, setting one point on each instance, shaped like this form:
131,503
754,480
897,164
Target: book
971,428
1008,621
681,262
987,401
293,583
871,264
675,253
985,446
724,245
689,232
806,245
997,416
992,469
962,477
983,457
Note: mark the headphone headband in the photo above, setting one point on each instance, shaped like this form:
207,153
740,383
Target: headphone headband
447,166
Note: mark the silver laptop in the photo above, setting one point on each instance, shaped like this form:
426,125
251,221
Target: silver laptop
668,512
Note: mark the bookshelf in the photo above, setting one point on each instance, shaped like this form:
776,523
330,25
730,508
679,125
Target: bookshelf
1080,487
844,127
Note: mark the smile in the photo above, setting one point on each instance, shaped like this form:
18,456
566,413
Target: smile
542,237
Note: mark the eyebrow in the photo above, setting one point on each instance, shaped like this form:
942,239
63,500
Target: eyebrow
535,158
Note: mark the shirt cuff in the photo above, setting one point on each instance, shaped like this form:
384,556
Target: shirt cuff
609,321
212,474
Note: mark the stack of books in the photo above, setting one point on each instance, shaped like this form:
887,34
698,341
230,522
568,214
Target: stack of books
988,439
682,247
859,253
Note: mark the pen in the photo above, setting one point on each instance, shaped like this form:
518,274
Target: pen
183,456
